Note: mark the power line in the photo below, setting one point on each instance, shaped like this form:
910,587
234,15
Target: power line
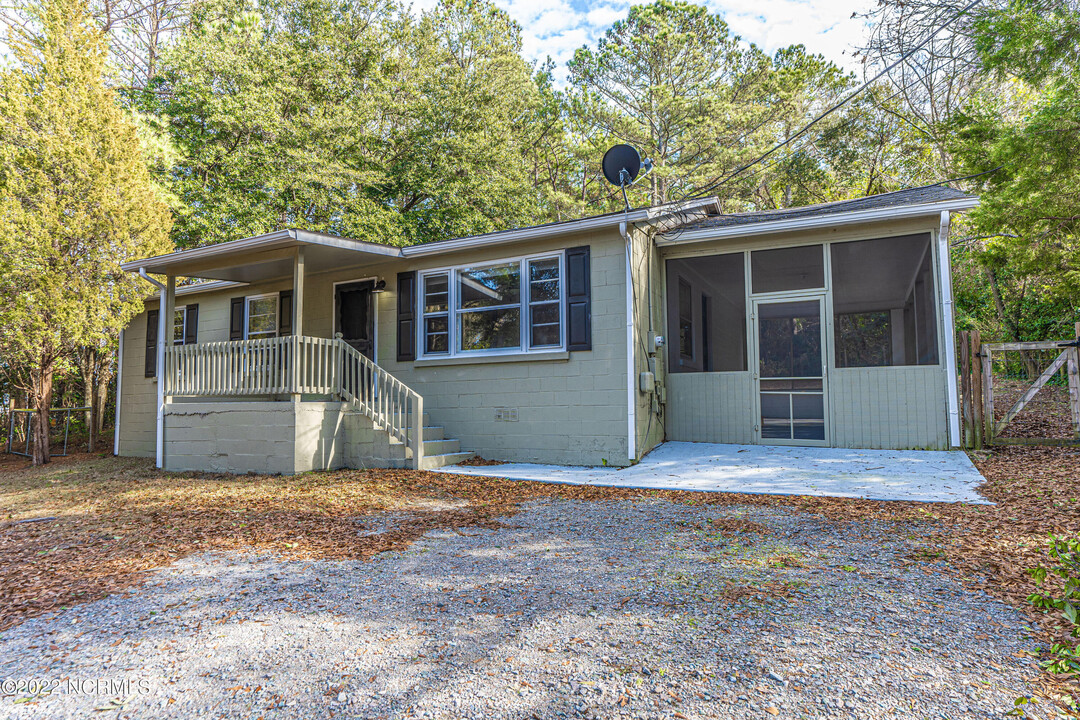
892,66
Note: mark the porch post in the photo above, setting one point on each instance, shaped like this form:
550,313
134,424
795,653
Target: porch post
166,310
297,319
298,292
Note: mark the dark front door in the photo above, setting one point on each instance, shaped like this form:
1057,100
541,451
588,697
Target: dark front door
354,315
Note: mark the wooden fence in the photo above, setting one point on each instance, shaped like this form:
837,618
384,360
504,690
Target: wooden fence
1040,363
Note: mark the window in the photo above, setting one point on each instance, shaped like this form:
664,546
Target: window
508,306
489,307
179,325
706,311
262,317
436,314
796,268
545,303
884,302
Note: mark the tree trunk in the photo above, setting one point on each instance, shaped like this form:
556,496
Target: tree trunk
88,399
84,360
42,391
105,374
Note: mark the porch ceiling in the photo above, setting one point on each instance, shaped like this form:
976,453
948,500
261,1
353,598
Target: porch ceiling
265,257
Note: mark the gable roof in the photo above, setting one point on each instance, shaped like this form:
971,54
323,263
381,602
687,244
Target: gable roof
913,202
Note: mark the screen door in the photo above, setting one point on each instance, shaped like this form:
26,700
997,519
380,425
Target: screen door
791,371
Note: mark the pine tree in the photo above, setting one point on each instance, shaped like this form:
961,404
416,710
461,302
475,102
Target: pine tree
76,200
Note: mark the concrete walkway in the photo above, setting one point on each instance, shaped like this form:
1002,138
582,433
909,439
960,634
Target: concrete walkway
925,476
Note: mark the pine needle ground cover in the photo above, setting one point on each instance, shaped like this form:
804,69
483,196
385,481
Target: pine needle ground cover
115,519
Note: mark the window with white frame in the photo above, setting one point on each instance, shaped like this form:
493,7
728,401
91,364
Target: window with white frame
261,319
502,307
179,325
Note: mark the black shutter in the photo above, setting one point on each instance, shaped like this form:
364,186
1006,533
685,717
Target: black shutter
285,313
191,325
151,342
578,299
236,319
406,316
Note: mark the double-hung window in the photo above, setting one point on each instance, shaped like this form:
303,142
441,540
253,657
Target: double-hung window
510,306
261,319
179,325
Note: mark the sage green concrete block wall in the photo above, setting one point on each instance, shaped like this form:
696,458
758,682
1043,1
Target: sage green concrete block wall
262,436
571,409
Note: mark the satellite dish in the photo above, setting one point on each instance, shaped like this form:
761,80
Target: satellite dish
622,164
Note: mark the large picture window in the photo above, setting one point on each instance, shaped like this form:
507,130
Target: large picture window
884,302
503,307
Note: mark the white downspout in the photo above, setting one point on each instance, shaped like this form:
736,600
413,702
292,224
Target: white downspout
160,447
948,323
119,387
631,381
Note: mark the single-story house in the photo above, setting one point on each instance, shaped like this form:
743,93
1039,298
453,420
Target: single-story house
583,342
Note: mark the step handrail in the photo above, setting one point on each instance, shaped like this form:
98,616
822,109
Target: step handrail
382,397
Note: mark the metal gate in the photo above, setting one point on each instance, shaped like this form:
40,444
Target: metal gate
1041,363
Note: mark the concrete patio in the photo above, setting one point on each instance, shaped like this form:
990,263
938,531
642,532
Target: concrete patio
919,475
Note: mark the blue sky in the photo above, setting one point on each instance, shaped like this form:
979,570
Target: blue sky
558,27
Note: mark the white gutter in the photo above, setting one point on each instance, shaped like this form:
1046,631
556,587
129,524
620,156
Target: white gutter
542,231
948,322
278,238
817,221
160,370
119,386
631,386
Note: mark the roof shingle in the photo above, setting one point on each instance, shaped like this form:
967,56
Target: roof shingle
912,196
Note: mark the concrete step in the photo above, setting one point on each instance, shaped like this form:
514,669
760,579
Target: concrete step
434,433
441,447
432,462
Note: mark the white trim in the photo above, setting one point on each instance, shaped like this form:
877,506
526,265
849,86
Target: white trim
631,364
119,390
278,238
453,312
816,221
948,326
820,296
277,311
183,334
374,280
572,226
159,443
292,236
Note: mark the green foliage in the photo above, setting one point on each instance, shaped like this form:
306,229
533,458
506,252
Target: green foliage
1064,597
76,198
351,118
1023,134
674,82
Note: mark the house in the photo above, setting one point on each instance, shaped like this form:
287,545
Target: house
582,342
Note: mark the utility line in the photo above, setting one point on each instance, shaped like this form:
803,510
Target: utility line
892,66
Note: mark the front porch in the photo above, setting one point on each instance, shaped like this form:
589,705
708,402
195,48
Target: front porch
264,396
289,405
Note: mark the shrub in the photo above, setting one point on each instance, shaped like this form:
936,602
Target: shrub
1064,555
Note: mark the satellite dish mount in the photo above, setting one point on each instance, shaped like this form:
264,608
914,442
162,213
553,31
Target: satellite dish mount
623,165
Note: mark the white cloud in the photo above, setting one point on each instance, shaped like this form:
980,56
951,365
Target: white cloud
556,28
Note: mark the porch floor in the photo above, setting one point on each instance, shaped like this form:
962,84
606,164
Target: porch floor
919,475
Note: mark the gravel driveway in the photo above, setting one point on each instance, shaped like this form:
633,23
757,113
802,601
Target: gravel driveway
641,609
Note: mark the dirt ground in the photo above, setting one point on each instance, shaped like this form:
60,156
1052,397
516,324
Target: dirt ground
87,526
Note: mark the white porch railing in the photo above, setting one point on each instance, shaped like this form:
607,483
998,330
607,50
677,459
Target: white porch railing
297,365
